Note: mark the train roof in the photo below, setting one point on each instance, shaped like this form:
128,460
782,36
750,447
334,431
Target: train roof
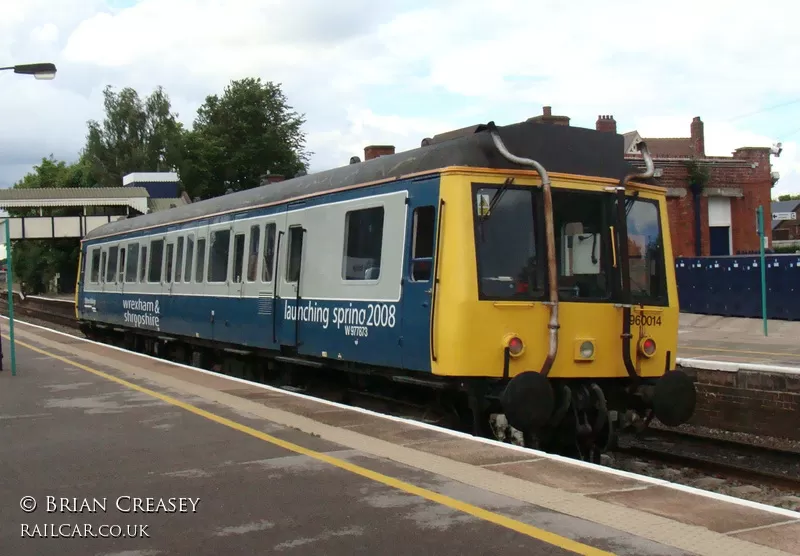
560,149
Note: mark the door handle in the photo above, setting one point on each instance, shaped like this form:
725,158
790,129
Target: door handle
429,290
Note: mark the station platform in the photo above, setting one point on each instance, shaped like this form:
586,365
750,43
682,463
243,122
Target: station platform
127,440
739,340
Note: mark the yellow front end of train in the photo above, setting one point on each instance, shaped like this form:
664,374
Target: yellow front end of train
489,300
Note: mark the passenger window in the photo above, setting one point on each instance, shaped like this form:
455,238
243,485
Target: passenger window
156,262
179,260
95,273
170,248
103,258
187,275
269,253
363,242
238,257
143,264
422,246
252,257
219,250
111,269
201,260
295,254
133,258
121,272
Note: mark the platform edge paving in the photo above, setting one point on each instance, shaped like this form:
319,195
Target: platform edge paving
650,526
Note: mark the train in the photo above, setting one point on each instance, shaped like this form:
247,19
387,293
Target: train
525,270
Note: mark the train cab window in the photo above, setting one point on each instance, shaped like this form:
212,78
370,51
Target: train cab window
103,259
218,254
581,223
170,250
422,243
645,253
363,242
156,261
94,275
238,257
505,241
121,273
179,260
252,253
143,263
111,269
201,260
133,259
187,271
269,253
295,253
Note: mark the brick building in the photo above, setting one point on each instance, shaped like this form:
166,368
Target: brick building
726,202
724,207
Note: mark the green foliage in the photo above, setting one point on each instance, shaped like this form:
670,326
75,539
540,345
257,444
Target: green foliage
698,176
238,138
789,197
135,136
36,262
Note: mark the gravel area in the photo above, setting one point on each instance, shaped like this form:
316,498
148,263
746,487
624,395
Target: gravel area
712,483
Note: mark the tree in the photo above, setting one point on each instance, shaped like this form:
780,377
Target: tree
789,197
36,262
238,138
135,136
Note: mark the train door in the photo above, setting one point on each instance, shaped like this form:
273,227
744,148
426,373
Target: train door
269,315
418,282
237,288
289,278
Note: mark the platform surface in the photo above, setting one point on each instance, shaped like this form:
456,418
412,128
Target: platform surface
739,340
270,472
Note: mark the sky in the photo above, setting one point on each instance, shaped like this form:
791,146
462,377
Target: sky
396,71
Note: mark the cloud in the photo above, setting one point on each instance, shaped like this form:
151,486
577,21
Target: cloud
397,71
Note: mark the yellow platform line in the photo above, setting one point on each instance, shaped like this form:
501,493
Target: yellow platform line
480,513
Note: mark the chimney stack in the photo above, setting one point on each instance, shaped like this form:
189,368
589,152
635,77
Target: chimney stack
548,118
606,123
374,151
698,137
271,178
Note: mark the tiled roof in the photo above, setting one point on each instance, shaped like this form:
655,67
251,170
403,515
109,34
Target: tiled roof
38,194
669,146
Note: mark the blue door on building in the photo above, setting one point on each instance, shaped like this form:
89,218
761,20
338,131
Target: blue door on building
720,241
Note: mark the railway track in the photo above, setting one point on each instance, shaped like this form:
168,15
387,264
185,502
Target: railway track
709,455
716,456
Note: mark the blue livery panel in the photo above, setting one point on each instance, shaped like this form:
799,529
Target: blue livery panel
385,323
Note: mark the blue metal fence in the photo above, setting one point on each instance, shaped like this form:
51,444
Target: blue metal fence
731,286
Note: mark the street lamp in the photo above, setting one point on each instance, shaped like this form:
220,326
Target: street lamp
39,71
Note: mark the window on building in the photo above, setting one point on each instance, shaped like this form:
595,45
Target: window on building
170,249
252,256
218,253
111,269
238,257
269,253
156,261
94,275
187,274
133,259
422,243
179,260
363,242
201,260
295,254
143,263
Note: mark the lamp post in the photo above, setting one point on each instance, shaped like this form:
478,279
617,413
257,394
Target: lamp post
39,71
44,71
